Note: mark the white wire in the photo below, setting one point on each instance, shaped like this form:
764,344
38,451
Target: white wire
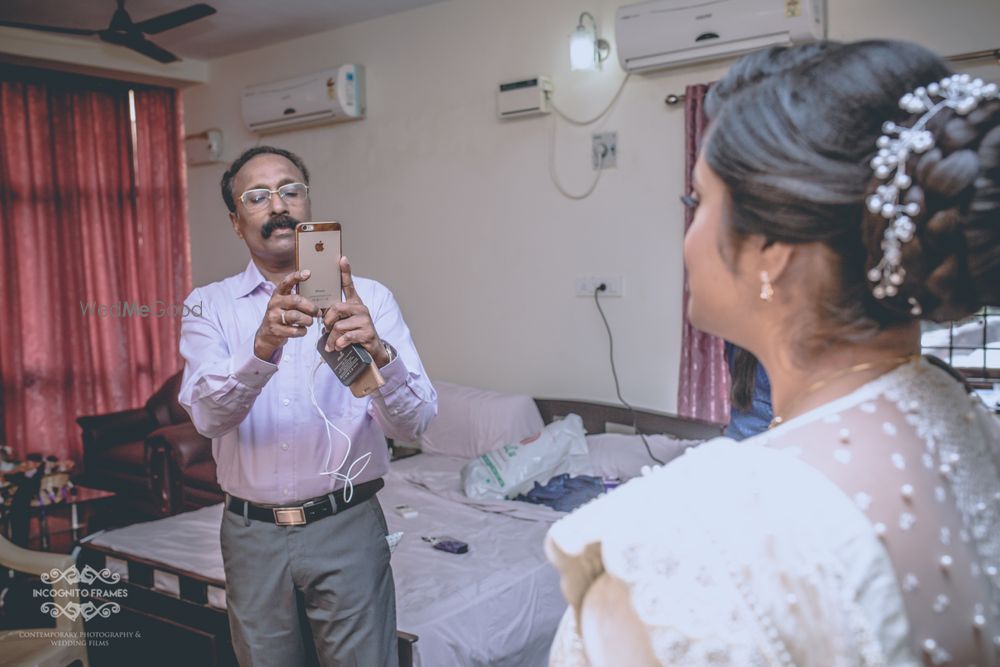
555,177
335,473
574,121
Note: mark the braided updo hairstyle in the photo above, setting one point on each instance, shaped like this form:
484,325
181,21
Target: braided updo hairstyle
792,133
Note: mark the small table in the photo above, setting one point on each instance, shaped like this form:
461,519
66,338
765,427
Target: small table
83,495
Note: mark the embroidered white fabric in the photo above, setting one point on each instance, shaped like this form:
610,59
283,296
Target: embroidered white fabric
862,533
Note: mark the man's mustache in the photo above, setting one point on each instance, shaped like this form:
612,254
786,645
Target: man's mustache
284,221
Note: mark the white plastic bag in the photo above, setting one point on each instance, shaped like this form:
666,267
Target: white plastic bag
513,469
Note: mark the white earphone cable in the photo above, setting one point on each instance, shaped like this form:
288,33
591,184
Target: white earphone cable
364,459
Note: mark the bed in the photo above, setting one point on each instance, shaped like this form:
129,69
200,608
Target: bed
497,605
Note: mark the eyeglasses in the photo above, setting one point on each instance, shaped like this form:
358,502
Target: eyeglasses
290,193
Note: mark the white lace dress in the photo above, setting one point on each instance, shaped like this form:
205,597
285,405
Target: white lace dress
862,533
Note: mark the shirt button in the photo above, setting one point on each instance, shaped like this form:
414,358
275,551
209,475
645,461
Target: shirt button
284,491
284,445
285,402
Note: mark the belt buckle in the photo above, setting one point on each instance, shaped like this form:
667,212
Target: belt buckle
289,516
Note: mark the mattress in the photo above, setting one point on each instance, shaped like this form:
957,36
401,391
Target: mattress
499,604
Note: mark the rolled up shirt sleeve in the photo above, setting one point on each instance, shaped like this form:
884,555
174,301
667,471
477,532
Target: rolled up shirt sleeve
219,385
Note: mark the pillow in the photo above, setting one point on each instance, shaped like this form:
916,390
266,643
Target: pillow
474,421
613,455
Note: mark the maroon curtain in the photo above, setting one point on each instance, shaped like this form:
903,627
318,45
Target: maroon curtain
92,216
704,380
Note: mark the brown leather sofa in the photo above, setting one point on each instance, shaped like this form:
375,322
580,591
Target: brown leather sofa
183,469
122,451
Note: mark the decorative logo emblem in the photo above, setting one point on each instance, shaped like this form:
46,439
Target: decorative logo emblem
87,585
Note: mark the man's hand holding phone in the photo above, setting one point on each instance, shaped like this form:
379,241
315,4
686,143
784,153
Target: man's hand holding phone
350,322
287,316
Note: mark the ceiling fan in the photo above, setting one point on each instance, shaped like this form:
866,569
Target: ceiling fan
124,32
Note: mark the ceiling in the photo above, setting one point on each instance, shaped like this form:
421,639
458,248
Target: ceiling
238,25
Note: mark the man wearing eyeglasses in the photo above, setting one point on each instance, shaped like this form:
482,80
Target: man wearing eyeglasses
303,558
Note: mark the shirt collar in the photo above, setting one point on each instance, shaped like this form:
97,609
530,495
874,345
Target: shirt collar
250,280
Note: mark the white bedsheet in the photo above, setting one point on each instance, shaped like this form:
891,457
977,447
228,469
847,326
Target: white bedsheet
497,605
443,479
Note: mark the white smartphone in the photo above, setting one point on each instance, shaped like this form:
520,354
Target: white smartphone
318,248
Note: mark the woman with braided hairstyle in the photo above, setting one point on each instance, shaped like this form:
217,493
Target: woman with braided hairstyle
844,193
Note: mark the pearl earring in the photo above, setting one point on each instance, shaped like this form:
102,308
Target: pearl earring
766,291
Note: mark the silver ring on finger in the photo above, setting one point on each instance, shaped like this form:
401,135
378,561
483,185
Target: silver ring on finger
283,318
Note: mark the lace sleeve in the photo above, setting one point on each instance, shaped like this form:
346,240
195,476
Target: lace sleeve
735,573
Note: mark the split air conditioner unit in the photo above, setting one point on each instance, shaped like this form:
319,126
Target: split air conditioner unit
670,33
525,97
330,96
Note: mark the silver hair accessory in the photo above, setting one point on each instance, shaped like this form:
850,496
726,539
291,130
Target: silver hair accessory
959,92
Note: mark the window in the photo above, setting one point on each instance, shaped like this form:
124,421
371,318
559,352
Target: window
971,345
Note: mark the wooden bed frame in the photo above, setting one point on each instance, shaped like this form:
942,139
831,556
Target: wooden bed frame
598,417
194,634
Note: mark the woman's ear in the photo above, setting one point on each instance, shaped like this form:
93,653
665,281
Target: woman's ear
775,258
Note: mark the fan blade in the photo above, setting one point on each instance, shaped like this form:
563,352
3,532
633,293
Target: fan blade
140,44
174,19
48,28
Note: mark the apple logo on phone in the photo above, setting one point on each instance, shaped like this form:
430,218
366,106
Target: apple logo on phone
319,247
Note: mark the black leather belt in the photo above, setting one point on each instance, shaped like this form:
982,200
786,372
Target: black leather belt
309,511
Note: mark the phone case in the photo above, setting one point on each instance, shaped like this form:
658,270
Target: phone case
347,364
451,545
318,248
370,380
353,366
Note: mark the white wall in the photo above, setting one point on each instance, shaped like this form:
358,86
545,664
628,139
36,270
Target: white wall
454,210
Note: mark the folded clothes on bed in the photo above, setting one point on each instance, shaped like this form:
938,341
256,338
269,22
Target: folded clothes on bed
564,493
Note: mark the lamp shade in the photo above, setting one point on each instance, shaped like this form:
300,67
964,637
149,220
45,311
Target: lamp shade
583,49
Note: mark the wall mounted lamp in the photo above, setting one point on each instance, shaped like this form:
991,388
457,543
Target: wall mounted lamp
586,49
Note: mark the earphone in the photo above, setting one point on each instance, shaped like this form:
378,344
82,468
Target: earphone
365,458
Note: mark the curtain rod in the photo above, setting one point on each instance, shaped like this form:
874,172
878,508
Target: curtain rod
673,99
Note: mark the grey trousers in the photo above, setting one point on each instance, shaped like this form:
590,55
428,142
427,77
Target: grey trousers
330,578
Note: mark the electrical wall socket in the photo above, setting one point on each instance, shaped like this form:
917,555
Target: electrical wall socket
585,286
604,150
